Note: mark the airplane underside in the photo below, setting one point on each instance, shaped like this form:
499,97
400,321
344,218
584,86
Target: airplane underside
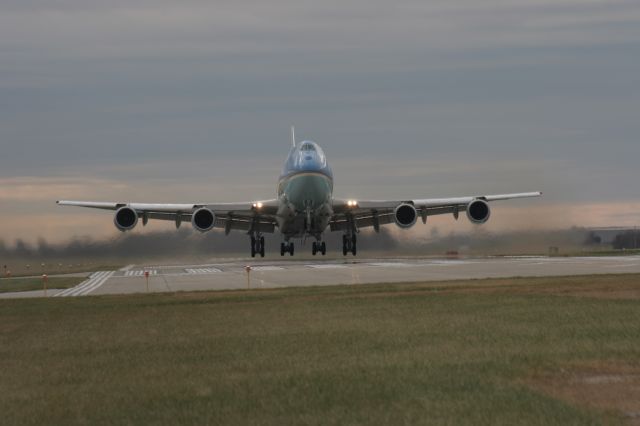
303,225
304,211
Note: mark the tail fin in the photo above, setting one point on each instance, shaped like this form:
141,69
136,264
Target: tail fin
293,136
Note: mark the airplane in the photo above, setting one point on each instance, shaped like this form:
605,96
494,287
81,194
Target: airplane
304,208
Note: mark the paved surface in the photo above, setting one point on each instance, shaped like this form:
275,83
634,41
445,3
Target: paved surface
231,274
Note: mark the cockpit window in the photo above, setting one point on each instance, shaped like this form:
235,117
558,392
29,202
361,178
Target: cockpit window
306,155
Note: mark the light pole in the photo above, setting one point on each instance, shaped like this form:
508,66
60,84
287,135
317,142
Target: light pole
248,271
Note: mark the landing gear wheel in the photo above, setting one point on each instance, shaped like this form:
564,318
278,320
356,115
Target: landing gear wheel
314,248
323,248
257,246
349,244
282,249
291,249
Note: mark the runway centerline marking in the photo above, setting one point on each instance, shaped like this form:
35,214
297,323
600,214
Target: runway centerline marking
266,268
201,271
628,265
391,264
445,262
326,266
140,273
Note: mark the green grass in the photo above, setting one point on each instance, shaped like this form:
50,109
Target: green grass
18,269
28,284
437,353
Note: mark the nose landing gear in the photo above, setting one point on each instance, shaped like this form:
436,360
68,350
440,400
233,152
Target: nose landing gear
319,247
286,247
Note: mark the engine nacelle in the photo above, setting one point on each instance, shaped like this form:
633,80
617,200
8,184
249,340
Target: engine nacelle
405,215
125,219
203,219
478,211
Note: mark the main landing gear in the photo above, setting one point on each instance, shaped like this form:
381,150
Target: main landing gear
349,244
319,247
257,245
286,247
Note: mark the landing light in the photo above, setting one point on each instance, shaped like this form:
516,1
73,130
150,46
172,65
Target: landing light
352,203
257,205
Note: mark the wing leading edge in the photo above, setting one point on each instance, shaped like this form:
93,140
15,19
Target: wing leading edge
246,216
261,215
373,213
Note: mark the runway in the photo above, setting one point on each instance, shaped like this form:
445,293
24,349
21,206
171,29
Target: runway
231,274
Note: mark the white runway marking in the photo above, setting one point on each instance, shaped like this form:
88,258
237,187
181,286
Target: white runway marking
201,271
267,268
328,266
628,265
199,265
140,273
390,264
448,262
515,257
95,281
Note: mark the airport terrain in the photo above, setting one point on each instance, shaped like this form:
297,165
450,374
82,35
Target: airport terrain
36,284
550,350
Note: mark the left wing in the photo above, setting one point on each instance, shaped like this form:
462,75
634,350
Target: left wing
358,214
257,216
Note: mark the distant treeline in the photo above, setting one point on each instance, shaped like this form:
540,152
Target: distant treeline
180,243
628,240
419,241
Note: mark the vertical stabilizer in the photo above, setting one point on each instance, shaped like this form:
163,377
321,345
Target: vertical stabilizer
293,136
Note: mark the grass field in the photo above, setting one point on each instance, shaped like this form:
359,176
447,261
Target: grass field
518,351
27,284
19,269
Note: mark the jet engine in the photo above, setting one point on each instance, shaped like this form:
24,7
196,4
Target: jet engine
405,215
478,211
125,219
203,219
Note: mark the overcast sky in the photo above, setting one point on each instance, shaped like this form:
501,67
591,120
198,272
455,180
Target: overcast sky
191,101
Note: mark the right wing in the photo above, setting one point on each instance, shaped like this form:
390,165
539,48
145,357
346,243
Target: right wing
257,216
360,214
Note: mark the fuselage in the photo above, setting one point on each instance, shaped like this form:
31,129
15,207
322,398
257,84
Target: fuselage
305,192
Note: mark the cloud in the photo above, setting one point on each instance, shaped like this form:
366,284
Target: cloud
176,101
30,189
288,38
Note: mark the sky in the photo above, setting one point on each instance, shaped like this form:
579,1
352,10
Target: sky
191,101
